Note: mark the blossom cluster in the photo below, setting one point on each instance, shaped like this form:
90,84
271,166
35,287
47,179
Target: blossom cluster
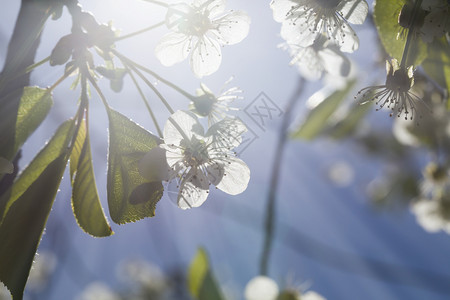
316,32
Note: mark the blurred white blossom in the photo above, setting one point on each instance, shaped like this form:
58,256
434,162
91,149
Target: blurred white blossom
437,21
303,21
321,57
98,291
261,288
148,277
433,214
265,288
206,104
197,159
201,29
43,267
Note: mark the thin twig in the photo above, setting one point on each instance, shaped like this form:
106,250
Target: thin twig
126,36
275,175
152,115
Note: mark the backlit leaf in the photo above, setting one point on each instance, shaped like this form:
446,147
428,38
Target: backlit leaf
29,204
437,64
128,143
202,284
86,204
18,123
386,20
317,118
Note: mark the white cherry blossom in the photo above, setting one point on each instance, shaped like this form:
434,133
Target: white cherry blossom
396,93
201,29
206,104
196,159
303,21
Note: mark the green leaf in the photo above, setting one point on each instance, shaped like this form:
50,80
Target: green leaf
317,118
202,284
18,123
128,143
48,154
29,204
349,123
86,204
385,15
437,64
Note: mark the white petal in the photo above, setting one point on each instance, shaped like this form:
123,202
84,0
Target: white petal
334,62
311,295
426,214
344,36
181,126
227,133
206,57
281,8
177,16
233,27
174,157
261,288
236,177
190,195
354,11
298,33
173,48
308,62
213,7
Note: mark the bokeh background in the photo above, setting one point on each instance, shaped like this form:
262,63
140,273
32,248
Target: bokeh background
330,236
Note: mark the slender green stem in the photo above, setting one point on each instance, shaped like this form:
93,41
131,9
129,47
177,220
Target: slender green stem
82,108
24,71
411,30
140,31
99,92
152,86
145,102
33,66
269,225
61,79
157,3
146,70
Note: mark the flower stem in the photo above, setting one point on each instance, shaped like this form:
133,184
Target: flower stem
145,102
139,73
99,92
275,175
61,79
35,65
411,31
139,31
146,70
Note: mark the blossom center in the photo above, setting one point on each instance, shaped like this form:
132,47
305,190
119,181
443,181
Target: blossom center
328,3
204,104
195,154
399,81
196,24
